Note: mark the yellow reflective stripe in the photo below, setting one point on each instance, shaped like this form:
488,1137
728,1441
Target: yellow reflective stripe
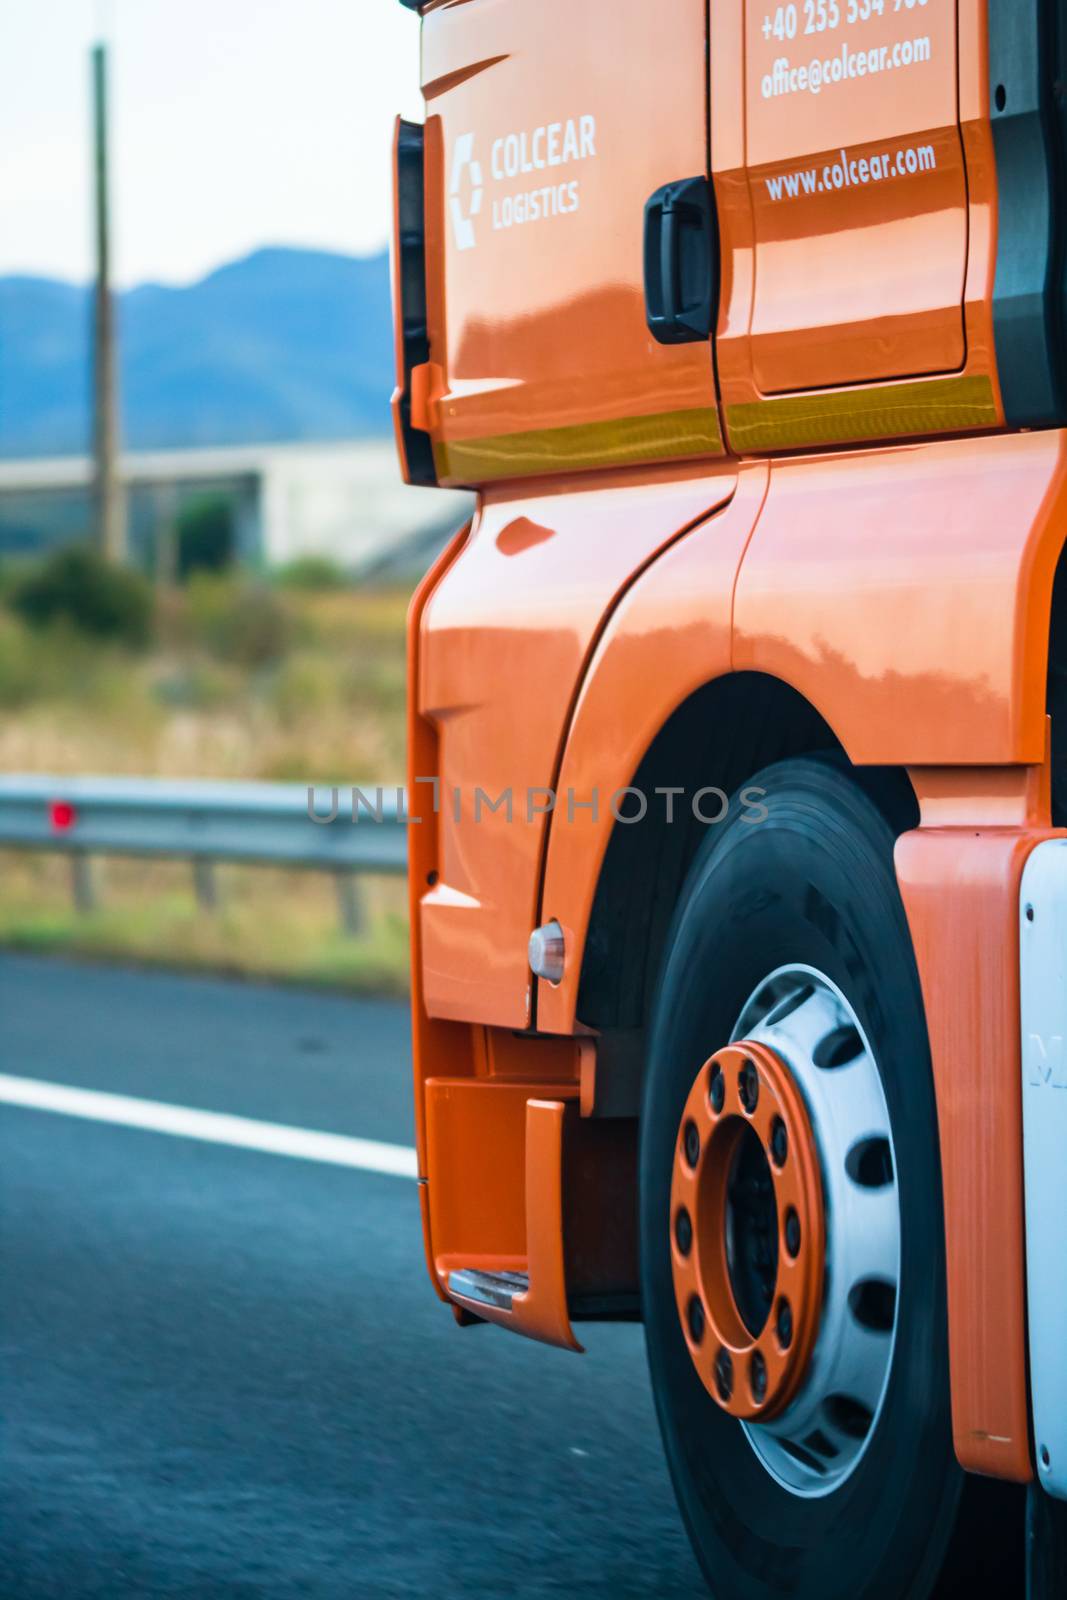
890,411
668,436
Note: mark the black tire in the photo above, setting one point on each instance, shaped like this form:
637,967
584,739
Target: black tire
1046,1546
813,883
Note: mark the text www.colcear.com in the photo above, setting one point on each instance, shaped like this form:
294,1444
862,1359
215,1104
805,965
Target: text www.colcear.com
822,71
849,171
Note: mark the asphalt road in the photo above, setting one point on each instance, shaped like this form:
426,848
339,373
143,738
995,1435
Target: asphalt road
224,1373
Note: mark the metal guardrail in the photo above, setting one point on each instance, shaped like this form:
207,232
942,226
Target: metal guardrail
270,824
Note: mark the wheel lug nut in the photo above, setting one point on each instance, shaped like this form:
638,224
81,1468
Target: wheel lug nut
691,1143
784,1324
683,1231
717,1089
779,1142
695,1315
748,1086
757,1375
724,1374
792,1232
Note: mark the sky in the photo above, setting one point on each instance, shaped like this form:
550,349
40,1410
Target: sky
235,124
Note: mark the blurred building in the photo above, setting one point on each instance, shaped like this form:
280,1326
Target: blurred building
345,502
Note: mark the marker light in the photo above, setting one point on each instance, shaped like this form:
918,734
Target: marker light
61,816
546,952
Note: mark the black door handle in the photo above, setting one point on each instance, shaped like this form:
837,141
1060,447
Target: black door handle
681,262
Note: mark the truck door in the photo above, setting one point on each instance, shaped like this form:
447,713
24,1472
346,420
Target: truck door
549,126
856,193
565,152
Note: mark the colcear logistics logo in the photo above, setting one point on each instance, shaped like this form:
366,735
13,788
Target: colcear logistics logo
513,156
464,164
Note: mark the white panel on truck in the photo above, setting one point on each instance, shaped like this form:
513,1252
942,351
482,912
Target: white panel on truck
1043,1006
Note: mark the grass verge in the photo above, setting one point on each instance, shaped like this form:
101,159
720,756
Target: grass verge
239,679
269,924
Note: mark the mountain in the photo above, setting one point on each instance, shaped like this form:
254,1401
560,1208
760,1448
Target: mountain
284,344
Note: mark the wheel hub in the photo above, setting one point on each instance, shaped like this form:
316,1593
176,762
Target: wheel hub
786,1230
748,1230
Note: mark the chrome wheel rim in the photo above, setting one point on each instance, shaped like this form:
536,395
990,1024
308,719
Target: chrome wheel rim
812,1446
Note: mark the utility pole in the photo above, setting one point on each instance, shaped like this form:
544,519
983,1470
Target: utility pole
109,501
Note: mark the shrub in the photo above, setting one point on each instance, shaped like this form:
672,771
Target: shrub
199,686
206,537
312,573
19,684
304,690
372,678
13,570
240,621
77,586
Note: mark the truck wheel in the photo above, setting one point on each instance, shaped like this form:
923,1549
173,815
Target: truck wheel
1046,1545
792,1240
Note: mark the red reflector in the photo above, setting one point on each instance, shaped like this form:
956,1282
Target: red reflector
62,815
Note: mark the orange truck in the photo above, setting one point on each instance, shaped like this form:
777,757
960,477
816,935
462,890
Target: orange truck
738,775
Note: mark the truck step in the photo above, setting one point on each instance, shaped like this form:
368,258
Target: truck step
489,1288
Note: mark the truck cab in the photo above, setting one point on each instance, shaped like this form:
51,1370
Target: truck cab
736,761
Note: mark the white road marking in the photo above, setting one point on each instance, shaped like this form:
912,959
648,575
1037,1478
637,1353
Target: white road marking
211,1127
